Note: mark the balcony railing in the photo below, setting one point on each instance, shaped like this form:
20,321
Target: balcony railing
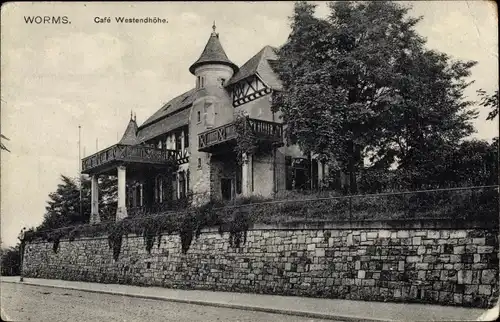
128,153
266,130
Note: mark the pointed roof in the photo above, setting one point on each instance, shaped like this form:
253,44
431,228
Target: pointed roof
260,64
130,135
213,54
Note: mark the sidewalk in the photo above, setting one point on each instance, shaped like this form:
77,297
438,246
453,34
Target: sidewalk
340,310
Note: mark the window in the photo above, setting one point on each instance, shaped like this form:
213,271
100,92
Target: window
199,163
186,138
200,82
199,117
178,141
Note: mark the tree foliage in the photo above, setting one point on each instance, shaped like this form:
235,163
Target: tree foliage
490,101
63,206
2,146
361,85
10,261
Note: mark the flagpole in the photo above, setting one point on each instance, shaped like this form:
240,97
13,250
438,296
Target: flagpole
80,165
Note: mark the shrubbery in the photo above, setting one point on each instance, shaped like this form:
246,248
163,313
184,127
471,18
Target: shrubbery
11,260
236,217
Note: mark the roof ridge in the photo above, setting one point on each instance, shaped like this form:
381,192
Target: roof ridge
160,113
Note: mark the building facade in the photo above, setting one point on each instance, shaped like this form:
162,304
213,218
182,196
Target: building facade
187,147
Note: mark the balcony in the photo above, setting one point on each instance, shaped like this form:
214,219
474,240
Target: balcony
223,136
107,159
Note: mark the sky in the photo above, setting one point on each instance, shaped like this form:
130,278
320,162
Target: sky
55,77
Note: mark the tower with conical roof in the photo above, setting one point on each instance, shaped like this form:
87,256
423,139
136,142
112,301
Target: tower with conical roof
130,135
213,67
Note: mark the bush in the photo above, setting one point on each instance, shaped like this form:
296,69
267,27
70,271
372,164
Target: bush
11,261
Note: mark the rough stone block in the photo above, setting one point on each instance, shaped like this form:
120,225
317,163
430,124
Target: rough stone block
433,234
457,250
421,250
372,235
485,249
416,241
484,289
457,298
384,234
422,266
320,252
489,276
471,289
403,234
311,247
413,259
349,240
458,234
479,241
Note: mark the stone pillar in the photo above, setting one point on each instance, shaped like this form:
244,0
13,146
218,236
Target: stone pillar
141,201
94,193
121,210
320,174
246,175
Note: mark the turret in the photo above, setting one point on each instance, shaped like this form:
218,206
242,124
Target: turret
213,68
130,135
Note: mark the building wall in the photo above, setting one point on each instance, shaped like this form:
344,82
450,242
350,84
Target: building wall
221,168
375,261
259,108
263,175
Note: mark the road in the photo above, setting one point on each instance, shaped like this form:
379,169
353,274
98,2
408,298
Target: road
36,303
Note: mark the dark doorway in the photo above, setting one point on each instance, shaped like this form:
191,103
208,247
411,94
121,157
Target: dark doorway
225,185
301,179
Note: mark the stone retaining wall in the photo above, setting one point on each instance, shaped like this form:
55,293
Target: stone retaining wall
445,266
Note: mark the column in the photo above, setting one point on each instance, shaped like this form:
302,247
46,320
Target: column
246,175
141,191
94,193
121,210
320,175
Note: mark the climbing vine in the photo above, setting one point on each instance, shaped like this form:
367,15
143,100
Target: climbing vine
188,224
246,140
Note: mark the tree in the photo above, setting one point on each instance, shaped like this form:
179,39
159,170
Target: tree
361,84
63,207
10,261
2,146
108,197
490,101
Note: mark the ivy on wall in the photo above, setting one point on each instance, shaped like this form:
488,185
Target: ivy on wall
246,140
188,224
